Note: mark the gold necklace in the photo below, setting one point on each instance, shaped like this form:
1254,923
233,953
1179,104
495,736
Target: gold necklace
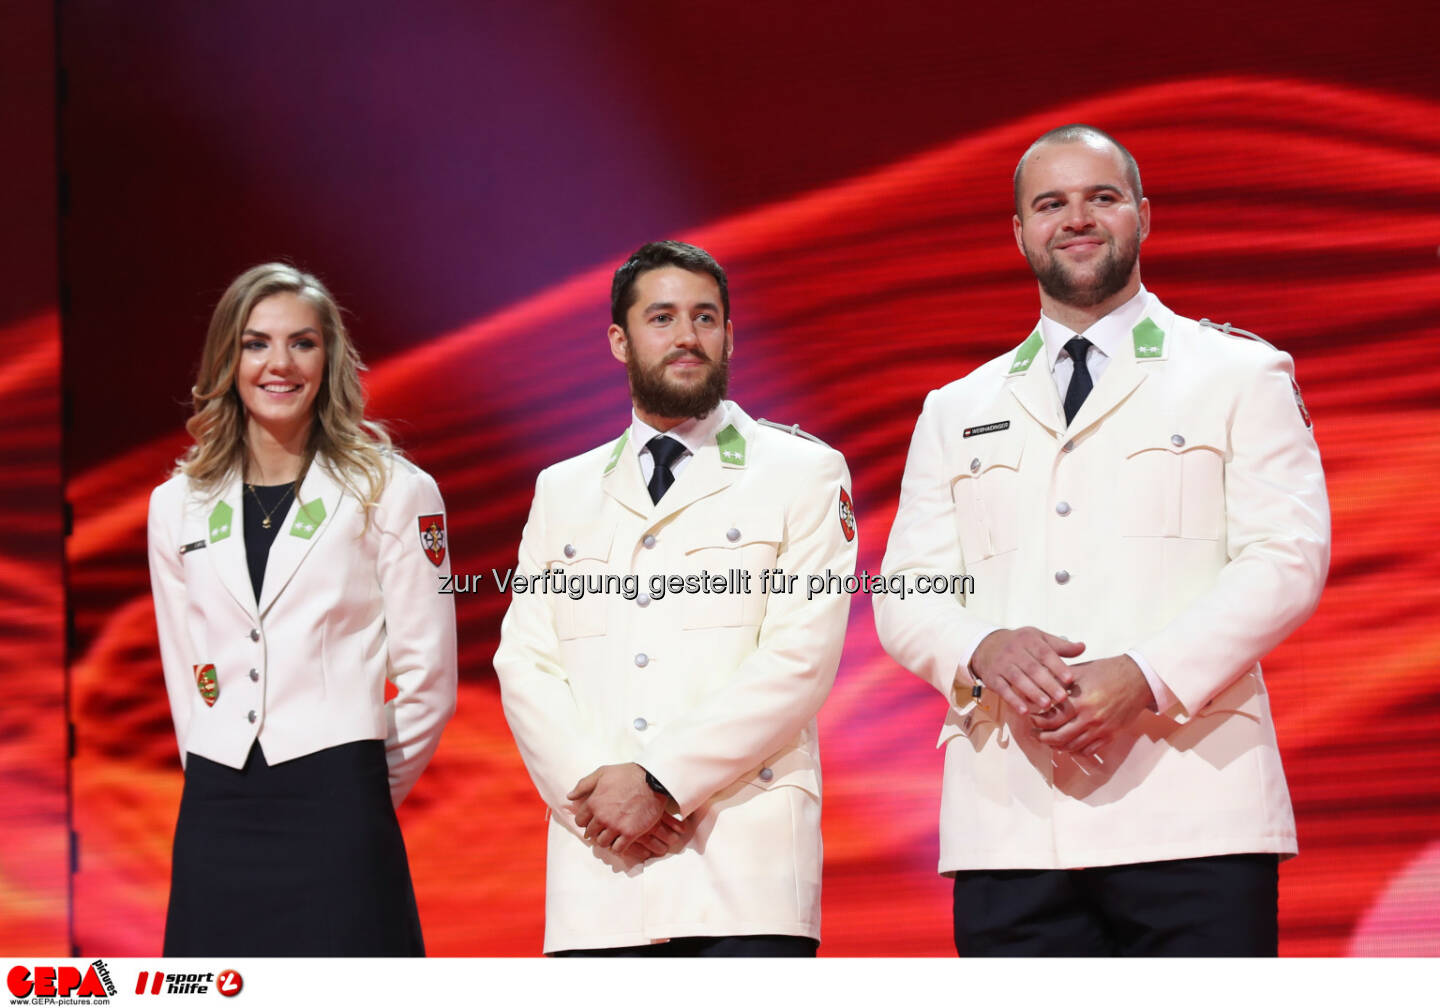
265,523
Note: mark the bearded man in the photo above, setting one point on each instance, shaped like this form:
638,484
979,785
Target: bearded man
1140,502
660,664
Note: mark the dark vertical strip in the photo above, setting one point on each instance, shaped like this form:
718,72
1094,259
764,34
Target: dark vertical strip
63,306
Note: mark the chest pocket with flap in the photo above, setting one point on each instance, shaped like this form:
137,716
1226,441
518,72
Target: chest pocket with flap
1173,482
986,489
583,557
725,541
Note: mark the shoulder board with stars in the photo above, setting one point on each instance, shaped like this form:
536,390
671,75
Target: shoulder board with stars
1026,353
1230,330
222,518
308,518
1148,339
792,429
731,447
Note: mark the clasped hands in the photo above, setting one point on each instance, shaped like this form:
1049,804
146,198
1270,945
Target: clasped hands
1073,708
617,809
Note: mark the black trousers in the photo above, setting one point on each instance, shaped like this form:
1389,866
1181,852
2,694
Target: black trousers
725,947
1211,906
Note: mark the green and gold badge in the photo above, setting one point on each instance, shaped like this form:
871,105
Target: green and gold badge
208,685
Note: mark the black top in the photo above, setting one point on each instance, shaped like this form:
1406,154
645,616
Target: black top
274,501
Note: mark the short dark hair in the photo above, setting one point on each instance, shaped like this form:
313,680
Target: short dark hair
654,255
1081,133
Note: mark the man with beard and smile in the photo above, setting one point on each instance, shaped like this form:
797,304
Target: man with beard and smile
671,730
1140,501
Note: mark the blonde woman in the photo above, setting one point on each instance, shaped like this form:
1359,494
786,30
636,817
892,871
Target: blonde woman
309,658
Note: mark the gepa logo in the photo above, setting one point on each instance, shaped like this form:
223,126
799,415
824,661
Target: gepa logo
61,982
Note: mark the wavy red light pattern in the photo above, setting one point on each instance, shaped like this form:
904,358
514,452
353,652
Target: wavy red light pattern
1309,214
34,859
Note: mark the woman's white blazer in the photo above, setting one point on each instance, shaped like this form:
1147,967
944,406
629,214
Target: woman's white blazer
346,608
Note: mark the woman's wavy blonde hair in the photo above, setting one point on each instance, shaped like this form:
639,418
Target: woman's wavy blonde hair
354,447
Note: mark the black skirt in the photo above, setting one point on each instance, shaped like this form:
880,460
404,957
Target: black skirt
304,858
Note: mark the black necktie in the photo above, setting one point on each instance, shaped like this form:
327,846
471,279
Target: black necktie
1080,383
664,451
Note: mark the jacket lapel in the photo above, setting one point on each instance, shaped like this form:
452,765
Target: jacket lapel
707,473
311,515
1033,386
1119,380
621,479
718,464
702,477
225,541
1147,346
1035,391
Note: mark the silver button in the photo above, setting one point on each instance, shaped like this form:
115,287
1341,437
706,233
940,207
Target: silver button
250,717
1068,446
640,724
975,465
254,634
254,675
733,535
767,774
1062,509
569,551
1177,440
1062,576
643,601
648,542
641,660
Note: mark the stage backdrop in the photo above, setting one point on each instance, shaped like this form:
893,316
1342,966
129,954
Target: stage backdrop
467,178
34,814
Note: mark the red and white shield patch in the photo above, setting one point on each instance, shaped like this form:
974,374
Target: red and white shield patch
847,516
432,537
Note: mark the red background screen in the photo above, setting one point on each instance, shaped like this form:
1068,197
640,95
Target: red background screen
466,179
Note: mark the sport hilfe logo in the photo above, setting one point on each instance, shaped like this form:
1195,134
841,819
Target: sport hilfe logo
61,981
227,982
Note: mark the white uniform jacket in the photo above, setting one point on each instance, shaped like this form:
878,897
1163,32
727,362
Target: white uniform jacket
344,609
1182,515
714,693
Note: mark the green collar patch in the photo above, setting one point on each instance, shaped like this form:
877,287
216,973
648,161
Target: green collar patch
1149,340
615,453
732,447
221,521
1025,356
308,518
